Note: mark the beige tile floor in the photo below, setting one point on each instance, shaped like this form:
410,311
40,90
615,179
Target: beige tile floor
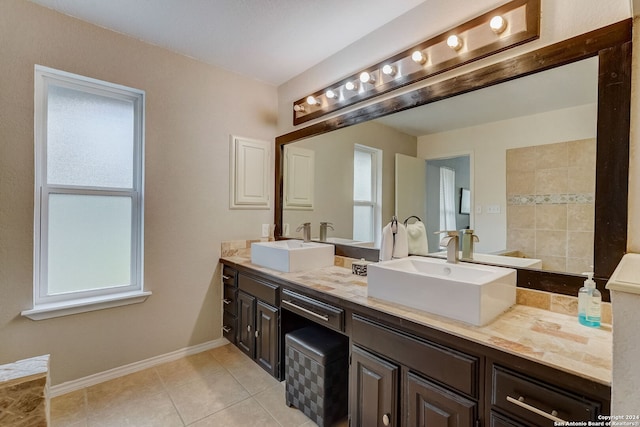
219,387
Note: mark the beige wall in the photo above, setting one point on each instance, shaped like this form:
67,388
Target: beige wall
192,108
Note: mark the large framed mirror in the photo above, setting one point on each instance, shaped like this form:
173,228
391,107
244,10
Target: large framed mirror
566,105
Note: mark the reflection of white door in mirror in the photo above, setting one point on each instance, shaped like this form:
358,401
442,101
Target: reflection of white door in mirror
299,182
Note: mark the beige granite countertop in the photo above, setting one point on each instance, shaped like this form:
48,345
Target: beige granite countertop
553,339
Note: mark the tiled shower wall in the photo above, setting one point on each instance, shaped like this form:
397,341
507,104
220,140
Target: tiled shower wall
550,203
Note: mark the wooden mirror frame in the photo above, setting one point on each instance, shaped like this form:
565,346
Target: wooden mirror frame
612,45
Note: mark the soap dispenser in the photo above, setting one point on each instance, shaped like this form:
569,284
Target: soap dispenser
589,303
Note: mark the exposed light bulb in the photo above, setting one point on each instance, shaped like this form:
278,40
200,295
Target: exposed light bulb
419,57
312,100
366,78
454,42
298,108
351,86
330,94
389,70
498,24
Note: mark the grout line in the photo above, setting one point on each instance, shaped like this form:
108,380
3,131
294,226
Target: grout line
166,389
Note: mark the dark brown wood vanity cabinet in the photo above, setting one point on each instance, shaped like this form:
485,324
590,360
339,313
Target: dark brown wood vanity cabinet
259,322
373,389
398,379
229,303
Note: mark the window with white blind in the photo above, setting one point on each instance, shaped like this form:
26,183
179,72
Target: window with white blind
367,189
88,220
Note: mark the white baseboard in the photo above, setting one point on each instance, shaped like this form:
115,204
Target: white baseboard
69,386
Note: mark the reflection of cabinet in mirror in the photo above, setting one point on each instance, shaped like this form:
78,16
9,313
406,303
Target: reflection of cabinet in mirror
299,172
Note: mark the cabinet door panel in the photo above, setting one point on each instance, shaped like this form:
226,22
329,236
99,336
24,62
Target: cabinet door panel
429,405
267,342
246,323
374,390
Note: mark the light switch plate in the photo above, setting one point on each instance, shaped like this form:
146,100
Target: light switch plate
265,230
493,209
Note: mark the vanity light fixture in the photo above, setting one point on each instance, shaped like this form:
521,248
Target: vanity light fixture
477,38
367,78
498,24
419,57
454,42
389,70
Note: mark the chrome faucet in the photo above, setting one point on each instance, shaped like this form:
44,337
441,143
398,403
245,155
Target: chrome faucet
468,238
306,231
450,241
323,230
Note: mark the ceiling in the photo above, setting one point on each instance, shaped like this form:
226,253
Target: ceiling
268,40
562,87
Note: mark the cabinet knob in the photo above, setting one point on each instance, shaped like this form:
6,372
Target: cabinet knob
226,329
257,334
226,301
248,328
386,419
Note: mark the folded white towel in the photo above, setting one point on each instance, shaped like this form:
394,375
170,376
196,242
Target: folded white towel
386,245
417,237
401,247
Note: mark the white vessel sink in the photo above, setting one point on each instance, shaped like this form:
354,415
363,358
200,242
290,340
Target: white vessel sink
292,255
472,293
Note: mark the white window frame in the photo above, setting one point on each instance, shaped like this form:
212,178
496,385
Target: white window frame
44,304
376,191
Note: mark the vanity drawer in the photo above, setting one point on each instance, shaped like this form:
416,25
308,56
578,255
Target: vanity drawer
229,276
229,326
312,309
442,364
229,298
264,291
538,402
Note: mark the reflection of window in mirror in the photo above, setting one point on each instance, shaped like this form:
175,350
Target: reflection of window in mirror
447,199
367,193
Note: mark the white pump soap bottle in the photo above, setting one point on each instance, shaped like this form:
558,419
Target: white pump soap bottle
589,303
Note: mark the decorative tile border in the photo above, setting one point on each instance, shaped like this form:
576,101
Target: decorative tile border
550,199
